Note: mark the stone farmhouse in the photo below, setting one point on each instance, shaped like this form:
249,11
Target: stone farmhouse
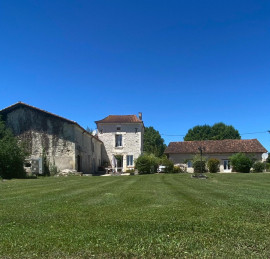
68,146
122,136
183,152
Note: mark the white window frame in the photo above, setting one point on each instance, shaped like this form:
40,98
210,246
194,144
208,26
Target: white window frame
129,159
118,142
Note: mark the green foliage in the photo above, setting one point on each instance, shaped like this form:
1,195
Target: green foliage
178,170
147,164
268,158
168,163
268,167
241,162
213,165
259,167
216,132
12,155
199,167
199,164
153,142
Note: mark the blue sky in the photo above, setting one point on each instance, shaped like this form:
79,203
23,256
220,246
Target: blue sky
181,63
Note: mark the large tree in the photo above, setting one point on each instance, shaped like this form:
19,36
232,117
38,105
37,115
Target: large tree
215,132
12,154
153,142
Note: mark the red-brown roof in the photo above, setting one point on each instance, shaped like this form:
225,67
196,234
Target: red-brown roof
216,146
21,104
120,119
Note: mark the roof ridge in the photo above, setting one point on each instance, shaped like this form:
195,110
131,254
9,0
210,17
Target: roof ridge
52,114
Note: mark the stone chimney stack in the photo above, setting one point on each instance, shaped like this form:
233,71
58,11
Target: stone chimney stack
140,116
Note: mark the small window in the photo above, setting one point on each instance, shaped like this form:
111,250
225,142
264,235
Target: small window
189,164
118,140
130,160
118,128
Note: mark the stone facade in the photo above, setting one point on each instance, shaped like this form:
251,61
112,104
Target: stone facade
121,139
64,143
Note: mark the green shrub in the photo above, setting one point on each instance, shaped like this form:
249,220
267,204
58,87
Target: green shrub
259,167
177,170
199,164
268,167
12,155
213,165
241,163
147,164
199,167
168,163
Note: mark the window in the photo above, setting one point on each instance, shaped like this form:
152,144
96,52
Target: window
118,140
189,164
130,160
118,128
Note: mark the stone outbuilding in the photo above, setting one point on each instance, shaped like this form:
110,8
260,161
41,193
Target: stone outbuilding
183,152
122,136
64,143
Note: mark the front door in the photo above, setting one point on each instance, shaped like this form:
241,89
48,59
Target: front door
227,166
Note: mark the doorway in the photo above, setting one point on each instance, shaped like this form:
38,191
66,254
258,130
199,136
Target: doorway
227,166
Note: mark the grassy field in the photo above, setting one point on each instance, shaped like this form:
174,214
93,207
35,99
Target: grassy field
160,216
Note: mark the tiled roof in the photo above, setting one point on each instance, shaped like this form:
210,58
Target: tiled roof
216,146
120,119
21,104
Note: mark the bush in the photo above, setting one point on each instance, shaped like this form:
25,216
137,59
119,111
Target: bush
178,170
147,164
268,167
168,164
241,163
213,165
12,155
199,164
258,167
199,167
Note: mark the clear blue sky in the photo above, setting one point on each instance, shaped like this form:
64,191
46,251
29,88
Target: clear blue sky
181,63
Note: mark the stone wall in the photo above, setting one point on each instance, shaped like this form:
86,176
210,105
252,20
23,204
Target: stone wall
88,149
132,140
60,140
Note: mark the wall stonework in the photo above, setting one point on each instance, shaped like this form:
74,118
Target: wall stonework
61,140
132,140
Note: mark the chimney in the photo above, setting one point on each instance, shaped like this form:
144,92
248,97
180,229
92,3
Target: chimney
140,116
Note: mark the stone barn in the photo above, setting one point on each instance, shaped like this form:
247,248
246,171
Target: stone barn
63,142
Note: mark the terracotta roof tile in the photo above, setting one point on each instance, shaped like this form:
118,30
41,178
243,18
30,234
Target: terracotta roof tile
216,146
120,119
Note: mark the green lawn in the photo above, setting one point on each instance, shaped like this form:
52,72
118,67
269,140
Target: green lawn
161,216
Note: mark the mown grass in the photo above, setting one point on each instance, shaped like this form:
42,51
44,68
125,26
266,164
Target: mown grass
159,216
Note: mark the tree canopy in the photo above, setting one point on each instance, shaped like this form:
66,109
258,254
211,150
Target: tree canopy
11,154
218,131
153,142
